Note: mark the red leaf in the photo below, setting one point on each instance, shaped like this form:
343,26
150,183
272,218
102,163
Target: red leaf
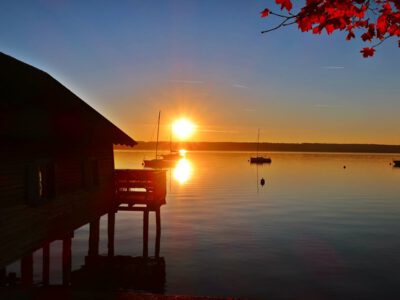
329,28
366,36
366,52
285,4
350,36
265,13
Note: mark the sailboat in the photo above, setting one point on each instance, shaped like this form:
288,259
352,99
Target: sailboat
157,162
173,154
259,159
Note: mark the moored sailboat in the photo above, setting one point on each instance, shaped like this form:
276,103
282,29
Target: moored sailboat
157,162
173,155
259,159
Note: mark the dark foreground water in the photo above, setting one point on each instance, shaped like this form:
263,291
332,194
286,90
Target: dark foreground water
316,230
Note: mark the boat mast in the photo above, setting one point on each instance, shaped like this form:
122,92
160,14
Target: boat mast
158,130
170,140
258,140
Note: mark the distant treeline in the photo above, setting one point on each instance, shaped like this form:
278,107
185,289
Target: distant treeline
293,147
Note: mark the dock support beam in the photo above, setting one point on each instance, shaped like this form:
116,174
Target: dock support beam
94,236
111,233
27,271
158,233
46,264
66,260
145,232
3,276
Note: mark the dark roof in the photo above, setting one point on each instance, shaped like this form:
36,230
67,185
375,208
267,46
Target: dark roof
35,106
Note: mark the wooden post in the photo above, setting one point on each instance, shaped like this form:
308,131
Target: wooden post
94,236
158,233
111,233
27,271
46,264
3,275
145,231
66,260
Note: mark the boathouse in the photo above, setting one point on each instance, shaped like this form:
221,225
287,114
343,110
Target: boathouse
56,159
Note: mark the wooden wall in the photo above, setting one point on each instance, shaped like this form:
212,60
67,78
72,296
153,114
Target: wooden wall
79,197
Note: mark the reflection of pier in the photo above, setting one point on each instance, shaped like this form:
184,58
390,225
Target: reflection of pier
116,272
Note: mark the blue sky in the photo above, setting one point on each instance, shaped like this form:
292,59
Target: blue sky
207,60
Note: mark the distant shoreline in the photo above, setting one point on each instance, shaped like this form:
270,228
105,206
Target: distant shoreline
265,147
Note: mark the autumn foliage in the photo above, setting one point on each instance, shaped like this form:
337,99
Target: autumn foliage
374,21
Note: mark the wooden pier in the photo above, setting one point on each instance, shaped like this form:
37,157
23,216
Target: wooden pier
145,191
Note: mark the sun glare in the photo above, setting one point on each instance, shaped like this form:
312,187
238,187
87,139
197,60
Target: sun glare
183,128
183,171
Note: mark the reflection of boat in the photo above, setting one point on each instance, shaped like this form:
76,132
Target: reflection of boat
396,163
259,159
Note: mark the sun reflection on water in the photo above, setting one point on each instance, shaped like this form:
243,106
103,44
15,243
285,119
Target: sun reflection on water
183,171
182,152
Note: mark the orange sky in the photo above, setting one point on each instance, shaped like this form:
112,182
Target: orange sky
209,62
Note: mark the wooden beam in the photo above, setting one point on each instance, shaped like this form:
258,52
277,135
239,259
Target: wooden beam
46,264
66,260
27,271
111,232
3,276
134,208
145,233
158,233
94,237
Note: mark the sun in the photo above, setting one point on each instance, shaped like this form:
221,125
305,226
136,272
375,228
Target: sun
183,128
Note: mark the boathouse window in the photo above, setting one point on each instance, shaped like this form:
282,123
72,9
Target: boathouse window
41,182
46,181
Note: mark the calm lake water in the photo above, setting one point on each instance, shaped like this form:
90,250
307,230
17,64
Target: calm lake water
315,230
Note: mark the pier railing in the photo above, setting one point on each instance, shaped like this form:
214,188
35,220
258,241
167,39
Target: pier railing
145,187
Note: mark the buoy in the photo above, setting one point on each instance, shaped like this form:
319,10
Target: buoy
262,181
344,167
